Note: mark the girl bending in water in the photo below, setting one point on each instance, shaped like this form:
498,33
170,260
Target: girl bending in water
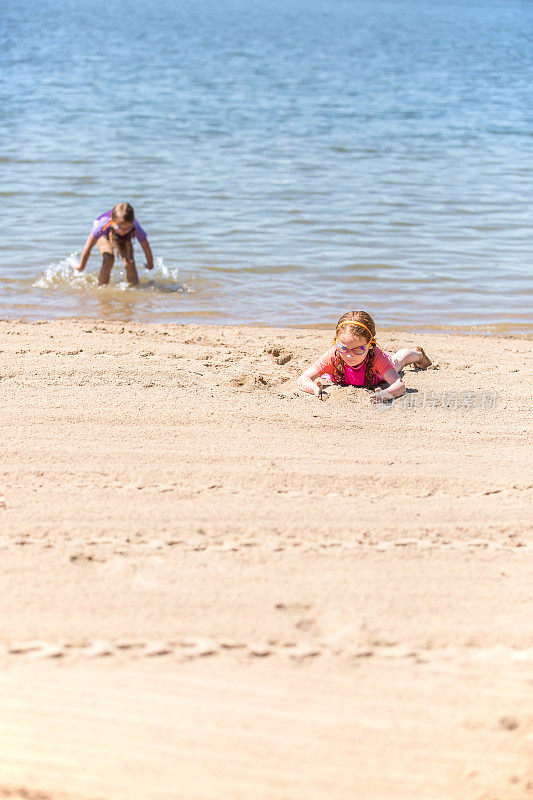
355,359
112,231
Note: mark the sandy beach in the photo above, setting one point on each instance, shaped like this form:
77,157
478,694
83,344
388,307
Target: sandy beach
216,587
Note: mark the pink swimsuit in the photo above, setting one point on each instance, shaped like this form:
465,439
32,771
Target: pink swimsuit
355,376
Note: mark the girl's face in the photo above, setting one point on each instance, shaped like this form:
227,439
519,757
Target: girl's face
352,349
122,228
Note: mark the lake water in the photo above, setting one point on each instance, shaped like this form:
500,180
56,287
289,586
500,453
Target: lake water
289,160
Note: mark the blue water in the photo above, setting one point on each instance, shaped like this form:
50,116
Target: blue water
289,160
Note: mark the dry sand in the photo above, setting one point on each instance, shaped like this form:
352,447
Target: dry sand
217,588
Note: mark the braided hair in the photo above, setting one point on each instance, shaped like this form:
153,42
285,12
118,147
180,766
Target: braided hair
358,323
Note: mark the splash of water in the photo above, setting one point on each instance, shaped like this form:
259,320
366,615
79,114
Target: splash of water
63,275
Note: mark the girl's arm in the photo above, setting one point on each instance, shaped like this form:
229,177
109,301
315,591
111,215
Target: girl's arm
307,380
148,253
395,388
85,253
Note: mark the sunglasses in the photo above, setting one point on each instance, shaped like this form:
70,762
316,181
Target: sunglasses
354,351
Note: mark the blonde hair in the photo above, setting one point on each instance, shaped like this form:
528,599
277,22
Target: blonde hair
359,323
122,213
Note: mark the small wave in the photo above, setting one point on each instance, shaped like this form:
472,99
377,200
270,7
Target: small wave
63,275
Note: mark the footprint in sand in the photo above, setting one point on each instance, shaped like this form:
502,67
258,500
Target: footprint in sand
302,651
23,794
23,648
231,644
309,625
81,557
157,649
200,646
130,644
49,651
280,355
260,649
98,649
508,723
248,383
295,607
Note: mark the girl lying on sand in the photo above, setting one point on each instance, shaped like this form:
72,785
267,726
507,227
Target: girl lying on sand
355,359
113,231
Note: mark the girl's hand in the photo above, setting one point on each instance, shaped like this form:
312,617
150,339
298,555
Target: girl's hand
79,267
149,266
381,396
319,390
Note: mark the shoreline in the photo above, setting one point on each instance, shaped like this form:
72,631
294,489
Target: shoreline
214,578
503,330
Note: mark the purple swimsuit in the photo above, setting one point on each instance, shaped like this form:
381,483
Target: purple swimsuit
102,224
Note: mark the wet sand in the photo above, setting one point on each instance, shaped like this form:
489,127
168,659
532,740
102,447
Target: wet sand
215,586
